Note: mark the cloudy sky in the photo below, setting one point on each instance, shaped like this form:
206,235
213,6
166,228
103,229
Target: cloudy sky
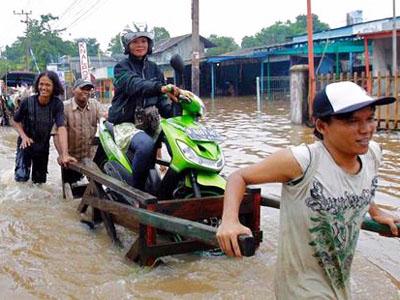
103,19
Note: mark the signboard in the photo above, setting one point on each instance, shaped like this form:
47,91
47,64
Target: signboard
52,68
83,59
61,76
69,77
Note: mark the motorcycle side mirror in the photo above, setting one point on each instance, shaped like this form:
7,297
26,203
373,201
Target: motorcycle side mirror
177,63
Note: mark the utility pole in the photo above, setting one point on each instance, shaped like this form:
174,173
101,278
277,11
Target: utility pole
27,43
195,48
311,75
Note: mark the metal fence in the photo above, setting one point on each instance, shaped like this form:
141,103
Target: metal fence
276,87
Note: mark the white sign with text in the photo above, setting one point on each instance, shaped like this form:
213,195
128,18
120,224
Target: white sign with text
83,59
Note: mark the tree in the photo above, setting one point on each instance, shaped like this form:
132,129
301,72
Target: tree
223,44
160,33
92,46
249,41
7,65
115,46
280,32
46,44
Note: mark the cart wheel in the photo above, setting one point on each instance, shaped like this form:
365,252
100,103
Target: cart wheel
68,192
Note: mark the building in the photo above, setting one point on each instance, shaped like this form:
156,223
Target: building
338,50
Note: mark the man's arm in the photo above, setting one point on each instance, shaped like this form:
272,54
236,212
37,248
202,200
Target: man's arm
61,144
280,166
56,142
383,218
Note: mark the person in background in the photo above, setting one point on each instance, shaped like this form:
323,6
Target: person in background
138,101
81,116
328,187
34,121
4,120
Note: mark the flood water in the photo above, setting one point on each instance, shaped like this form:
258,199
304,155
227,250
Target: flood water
46,253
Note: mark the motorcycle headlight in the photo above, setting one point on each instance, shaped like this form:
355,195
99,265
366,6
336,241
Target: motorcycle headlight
192,156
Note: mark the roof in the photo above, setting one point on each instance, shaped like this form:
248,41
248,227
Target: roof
380,34
348,30
165,44
291,48
342,39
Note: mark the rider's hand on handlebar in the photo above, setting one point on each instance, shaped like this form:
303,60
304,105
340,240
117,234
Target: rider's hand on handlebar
172,91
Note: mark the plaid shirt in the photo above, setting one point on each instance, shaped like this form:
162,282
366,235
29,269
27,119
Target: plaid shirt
81,124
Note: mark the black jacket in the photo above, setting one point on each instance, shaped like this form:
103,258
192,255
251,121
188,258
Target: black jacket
137,83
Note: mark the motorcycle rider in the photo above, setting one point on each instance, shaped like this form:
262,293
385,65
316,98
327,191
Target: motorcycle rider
138,101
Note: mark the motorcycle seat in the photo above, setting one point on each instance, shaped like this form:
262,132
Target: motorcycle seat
110,128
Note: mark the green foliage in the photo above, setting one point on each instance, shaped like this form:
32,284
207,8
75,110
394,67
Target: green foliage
92,46
223,44
249,41
115,46
280,32
46,44
6,65
160,33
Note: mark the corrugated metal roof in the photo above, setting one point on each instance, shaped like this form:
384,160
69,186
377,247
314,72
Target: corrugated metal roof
165,44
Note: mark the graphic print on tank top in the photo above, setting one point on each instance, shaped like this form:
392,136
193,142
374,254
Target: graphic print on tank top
337,225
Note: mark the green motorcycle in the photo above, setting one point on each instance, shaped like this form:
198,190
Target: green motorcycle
196,157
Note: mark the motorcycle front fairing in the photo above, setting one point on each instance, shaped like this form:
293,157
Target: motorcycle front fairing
202,155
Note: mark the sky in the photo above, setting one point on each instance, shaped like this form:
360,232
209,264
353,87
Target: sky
103,19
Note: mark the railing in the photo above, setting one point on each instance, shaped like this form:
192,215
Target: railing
276,87
387,116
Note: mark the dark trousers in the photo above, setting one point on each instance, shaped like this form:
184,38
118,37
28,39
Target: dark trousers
143,147
29,158
70,176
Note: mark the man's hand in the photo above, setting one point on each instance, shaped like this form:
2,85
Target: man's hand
227,236
64,160
384,218
26,142
172,91
391,221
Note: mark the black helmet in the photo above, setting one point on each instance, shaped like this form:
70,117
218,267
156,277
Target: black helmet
129,35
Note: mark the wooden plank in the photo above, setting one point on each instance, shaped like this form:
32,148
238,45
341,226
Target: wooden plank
91,170
67,192
110,228
133,215
90,191
198,208
133,226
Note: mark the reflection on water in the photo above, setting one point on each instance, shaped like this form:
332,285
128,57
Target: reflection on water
46,253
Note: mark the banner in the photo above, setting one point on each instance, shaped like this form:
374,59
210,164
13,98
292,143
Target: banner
83,59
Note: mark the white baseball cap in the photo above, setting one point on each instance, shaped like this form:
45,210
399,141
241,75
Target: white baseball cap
344,97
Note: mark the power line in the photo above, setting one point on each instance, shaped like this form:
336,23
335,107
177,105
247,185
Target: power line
88,12
69,13
68,8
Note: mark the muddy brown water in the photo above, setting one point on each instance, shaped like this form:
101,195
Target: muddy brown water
46,253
